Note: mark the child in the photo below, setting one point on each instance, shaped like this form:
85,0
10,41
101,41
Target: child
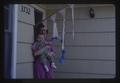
50,53
42,48
50,47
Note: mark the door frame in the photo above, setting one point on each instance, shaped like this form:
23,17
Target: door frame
8,42
12,28
41,10
14,41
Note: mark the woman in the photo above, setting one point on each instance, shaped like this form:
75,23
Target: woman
41,71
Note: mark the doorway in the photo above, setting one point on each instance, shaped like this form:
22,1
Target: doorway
38,19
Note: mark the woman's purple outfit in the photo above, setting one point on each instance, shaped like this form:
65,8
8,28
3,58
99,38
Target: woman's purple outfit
39,70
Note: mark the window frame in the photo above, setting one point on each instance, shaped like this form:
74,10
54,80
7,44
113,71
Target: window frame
9,9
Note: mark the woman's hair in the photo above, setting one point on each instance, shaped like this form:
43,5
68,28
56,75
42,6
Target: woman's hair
39,30
40,25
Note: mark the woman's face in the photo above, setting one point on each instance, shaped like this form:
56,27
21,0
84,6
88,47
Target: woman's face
45,32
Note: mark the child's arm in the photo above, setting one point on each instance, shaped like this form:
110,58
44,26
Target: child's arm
36,50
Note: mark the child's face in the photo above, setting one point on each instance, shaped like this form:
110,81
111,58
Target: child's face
41,37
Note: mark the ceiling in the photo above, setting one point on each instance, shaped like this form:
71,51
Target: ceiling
59,6
52,6
56,7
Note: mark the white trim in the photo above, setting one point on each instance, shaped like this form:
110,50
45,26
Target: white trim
94,5
76,6
40,9
14,41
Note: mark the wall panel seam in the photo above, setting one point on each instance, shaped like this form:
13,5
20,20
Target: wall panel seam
84,73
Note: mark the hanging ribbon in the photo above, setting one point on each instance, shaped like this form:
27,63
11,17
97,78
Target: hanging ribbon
62,12
73,22
55,32
55,35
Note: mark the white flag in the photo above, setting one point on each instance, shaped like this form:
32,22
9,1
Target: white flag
62,12
73,22
55,31
53,17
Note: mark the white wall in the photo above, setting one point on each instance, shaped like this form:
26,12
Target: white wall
24,68
92,53
25,38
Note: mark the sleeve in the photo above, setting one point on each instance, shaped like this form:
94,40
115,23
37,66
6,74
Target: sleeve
34,47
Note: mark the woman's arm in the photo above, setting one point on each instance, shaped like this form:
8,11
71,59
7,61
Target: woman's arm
40,51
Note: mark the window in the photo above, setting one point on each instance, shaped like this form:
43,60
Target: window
7,40
6,16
